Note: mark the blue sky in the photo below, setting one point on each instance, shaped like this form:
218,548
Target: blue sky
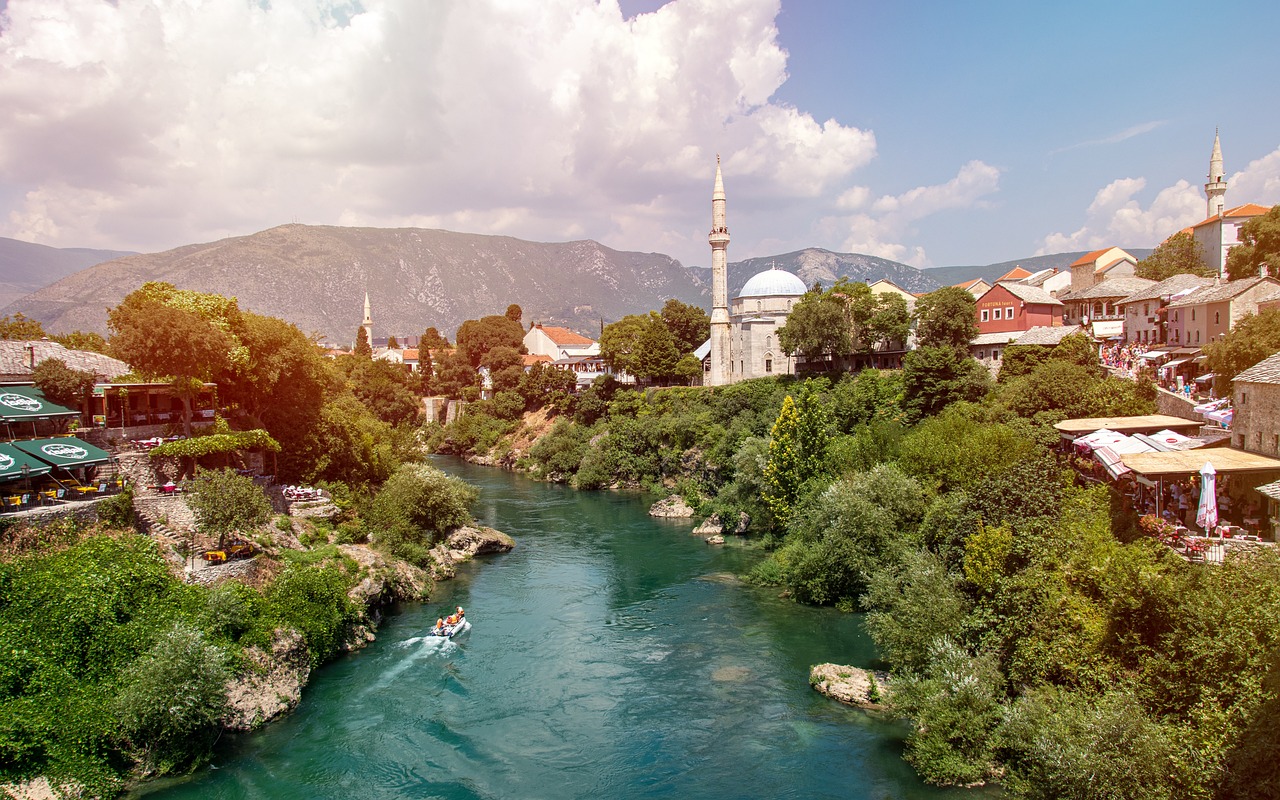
934,133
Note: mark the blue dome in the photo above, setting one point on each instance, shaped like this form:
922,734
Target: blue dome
773,282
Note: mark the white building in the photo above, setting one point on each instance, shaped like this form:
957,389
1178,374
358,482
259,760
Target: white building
1220,230
557,343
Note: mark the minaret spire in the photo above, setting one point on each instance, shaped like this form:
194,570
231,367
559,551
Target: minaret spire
721,358
1215,190
367,324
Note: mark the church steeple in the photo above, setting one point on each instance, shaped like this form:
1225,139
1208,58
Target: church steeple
721,358
1216,189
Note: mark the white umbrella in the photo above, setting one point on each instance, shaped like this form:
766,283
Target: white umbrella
1207,513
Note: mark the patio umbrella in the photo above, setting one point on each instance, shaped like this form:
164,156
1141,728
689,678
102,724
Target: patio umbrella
1207,512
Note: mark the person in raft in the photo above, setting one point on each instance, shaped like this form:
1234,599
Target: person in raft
439,625
455,617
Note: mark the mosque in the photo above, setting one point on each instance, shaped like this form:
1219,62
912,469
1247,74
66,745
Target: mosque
744,334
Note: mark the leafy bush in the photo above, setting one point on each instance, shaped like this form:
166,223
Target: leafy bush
416,508
225,502
171,698
313,601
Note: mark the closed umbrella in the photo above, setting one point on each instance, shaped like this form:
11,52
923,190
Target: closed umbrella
1207,512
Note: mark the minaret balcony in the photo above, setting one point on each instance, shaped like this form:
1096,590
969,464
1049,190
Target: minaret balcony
718,237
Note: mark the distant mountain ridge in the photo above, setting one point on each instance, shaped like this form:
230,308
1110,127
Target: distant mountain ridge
26,267
950,276
316,277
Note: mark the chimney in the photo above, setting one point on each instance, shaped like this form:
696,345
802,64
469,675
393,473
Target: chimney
1264,270
31,351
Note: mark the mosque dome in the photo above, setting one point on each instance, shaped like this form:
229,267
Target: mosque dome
773,282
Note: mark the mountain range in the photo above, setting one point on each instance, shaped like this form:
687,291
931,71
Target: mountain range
26,267
316,277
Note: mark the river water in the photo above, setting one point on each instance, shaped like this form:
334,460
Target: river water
612,656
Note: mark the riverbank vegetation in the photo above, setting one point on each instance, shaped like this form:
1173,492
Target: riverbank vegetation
114,665
1036,636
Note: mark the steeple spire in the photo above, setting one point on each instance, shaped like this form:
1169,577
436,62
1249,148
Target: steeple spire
1216,189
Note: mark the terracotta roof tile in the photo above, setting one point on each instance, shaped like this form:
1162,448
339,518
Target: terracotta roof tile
1246,210
566,337
1015,274
1089,258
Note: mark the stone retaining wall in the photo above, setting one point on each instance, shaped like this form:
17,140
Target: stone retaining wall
1175,405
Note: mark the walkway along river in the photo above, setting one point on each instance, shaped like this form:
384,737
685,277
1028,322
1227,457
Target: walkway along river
612,656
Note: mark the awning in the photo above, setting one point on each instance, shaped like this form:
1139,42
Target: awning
1152,355
25,403
1174,364
12,460
1205,378
1225,460
1107,328
1222,417
65,452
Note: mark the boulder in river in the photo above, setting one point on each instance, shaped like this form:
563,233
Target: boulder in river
863,688
744,523
710,526
717,539
673,507
464,544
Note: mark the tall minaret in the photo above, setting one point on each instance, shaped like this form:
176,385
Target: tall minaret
368,320
721,358
1216,189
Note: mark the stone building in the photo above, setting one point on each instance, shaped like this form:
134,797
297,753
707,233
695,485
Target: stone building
1209,312
1256,426
744,335
1145,312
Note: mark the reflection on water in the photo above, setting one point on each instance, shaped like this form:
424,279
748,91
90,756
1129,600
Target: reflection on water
611,656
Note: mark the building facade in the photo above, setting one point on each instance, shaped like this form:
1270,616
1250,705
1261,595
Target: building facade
1256,425
557,343
1208,313
1146,312
1016,307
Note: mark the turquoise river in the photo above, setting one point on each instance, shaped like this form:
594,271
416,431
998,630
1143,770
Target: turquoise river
612,656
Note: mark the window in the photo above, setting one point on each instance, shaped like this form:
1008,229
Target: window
1275,445
1193,315
995,354
1146,309
768,343
995,313
986,315
1217,318
1244,398
1197,337
768,365
1257,440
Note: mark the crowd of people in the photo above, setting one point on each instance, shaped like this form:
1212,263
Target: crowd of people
1125,359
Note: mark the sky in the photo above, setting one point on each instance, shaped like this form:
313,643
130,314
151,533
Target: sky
932,133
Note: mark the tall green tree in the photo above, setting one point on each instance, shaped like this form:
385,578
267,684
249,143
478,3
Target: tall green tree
431,339
1259,244
392,344
946,318
514,313
818,327
797,453
1178,255
362,349
935,377
82,340
619,342
478,336
690,325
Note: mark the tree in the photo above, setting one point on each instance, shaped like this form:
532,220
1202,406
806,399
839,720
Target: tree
431,340
282,383
163,332
1255,337
619,341
818,327
82,340
890,321
1259,244
946,318
426,372
1178,255
690,325
514,313
392,344
935,377
657,356
225,502
417,507
506,368
382,386
362,349
20,327
797,453
455,375
477,337
62,385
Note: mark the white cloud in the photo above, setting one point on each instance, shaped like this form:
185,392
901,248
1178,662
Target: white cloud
151,123
1117,218
1115,138
879,230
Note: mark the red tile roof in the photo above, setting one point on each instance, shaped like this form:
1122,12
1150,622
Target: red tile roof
1089,258
968,284
534,358
564,336
1248,210
1015,274
410,353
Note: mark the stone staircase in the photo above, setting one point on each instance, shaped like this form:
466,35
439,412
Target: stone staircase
165,517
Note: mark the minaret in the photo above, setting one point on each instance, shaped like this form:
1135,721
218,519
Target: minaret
1216,189
721,358
368,320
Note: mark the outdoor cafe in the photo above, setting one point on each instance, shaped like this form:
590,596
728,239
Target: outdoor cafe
39,472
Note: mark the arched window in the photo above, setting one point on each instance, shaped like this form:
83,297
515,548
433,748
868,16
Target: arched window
768,343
